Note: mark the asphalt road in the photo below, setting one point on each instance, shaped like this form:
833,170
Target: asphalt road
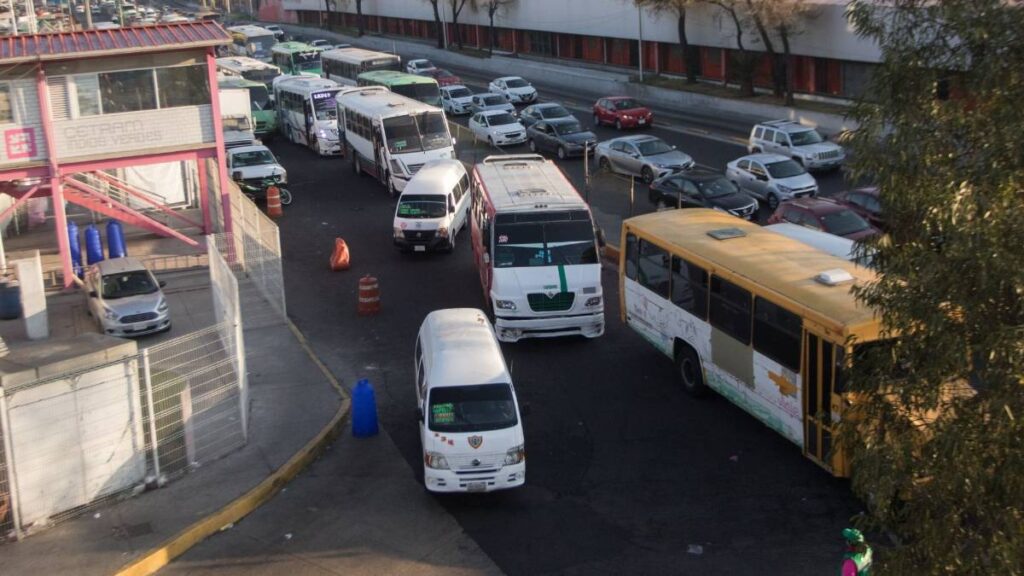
626,474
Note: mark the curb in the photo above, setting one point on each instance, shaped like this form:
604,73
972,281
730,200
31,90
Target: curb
242,506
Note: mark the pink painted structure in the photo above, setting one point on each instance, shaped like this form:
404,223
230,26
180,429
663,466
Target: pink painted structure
57,179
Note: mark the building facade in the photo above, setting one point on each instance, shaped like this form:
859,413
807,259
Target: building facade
828,57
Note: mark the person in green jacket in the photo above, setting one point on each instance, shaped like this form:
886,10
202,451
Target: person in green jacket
857,558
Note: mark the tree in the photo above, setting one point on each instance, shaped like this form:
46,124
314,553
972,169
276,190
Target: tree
457,6
678,8
360,19
935,439
786,18
757,9
437,24
493,7
743,62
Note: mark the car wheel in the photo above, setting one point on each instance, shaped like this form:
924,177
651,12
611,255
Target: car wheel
561,153
286,196
533,146
604,165
690,373
597,120
773,201
647,175
618,124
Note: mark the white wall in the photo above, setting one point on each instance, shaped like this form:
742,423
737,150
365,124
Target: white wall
22,141
827,35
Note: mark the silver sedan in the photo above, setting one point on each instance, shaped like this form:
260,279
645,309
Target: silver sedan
648,157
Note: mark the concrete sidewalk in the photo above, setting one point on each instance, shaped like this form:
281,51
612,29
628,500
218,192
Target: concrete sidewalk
291,401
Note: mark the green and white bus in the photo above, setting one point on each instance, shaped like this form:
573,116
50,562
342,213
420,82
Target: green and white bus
263,114
344,65
248,68
296,58
252,41
420,88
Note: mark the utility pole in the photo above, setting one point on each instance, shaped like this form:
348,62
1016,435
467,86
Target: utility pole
640,39
88,14
444,24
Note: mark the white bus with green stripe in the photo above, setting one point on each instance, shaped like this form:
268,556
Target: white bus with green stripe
536,250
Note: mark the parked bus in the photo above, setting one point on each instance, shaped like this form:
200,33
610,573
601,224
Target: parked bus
344,65
535,248
296,58
249,68
307,113
252,41
420,88
764,320
263,114
391,136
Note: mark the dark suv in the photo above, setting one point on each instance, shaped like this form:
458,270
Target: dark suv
702,188
826,215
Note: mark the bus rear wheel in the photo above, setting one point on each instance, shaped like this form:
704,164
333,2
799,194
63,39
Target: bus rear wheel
690,373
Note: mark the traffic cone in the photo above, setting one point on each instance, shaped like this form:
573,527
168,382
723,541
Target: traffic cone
273,202
339,260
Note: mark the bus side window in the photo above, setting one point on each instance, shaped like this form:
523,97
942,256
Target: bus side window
730,309
631,255
654,265
777,334
690,287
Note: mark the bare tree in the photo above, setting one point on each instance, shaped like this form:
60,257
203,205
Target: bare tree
744,61
437,24
786,18
678,8
360,19
492,7
457,6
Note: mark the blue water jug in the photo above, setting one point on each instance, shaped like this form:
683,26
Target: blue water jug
115,240
364,410
93,245
75,244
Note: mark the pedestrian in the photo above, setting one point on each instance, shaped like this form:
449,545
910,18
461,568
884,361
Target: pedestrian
857,558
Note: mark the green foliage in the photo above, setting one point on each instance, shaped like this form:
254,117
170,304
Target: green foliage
938,444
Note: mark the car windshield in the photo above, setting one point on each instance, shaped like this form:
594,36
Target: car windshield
472,408
551,112
423,64
415,206
325,106
554,243
128,284
306,60
494,100
785,169
566,128
459,92
501,119
259,98
626,104
806,137
653,147
253,158
516,83
717,187
843,222
416,132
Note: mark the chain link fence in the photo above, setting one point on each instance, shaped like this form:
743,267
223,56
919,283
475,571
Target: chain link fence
468,148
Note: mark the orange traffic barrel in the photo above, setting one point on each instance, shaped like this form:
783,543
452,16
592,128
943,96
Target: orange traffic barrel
273,201
340,257
369,296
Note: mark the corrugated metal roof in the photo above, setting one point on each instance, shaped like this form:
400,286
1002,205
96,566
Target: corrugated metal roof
91,43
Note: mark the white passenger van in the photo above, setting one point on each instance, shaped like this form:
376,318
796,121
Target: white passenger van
835,245
433,208
470,428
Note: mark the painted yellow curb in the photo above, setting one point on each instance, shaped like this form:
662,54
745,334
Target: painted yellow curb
242,506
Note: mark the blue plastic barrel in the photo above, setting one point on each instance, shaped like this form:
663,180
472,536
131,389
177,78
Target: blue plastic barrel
115,240
75,243
364,410
10,301
93,245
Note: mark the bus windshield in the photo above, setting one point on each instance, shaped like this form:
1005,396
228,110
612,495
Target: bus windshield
306,60
259,98
545,243
416,132
324,105
426,93
259,46
472,408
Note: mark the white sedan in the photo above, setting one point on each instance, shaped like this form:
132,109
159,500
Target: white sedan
497,127
419,66
456,99
517,90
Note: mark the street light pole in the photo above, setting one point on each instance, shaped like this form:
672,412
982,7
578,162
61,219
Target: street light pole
444,24
640,38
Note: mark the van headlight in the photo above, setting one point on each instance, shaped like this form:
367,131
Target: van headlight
436,460
398,232
442,231
504,305
321,132
515,455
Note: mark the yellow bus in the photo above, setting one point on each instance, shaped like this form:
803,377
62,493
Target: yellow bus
763,320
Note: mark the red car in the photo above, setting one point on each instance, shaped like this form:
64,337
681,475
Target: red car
443,77
622,112
826,215
864,201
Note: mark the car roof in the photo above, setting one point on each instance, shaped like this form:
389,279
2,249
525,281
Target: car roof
509,78
419,60
119,265
787,126
634,138
250,148
486,94
435,177
454,86
562,120
493,112
817,205
835,245
543,105
764,158
698,173
617,98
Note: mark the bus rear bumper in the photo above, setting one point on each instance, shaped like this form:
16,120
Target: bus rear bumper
515,329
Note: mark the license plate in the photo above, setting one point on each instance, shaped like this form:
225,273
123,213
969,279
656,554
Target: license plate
476,487
419,248
642,121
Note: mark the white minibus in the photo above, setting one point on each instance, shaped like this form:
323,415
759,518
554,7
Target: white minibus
433,208
307,113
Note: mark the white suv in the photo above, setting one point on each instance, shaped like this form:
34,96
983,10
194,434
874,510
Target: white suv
799,142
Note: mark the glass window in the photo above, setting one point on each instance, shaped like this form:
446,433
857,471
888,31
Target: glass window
88,88
777,333
654,269
6,111
806,137
183,86
780,138
844,222
127,91
126,284
743,165
785,169
472,408
759,132
545,243
730,309
631,255
417,206
690,287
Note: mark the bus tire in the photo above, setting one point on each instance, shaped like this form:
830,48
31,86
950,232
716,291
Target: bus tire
690,373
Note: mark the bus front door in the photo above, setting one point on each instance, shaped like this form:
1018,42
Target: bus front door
819,382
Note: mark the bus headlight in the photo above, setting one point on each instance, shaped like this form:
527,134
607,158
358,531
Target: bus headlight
396,167
442,232
504,305
593,301
322,133
515,455
435,460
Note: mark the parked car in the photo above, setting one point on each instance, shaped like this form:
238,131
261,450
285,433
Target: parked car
546,111
278,32
255,164
621,112
563,136
648,157
864,201
801,143
320,43
125,298
488,101
826,215
772,178
443,77
419,65
702,188
514,88
835,245
456,99
497,127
